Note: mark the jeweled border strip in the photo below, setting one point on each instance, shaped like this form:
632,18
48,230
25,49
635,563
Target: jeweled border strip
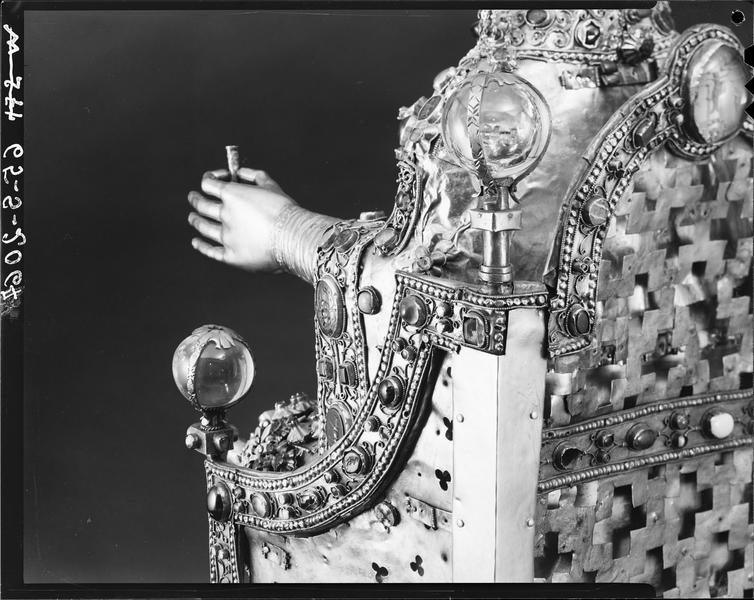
355,324
637,463
341,509
634,413
632,416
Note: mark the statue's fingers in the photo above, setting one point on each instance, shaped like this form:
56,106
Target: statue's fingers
205,206
214,252
224,190
209,229
260,178
222,174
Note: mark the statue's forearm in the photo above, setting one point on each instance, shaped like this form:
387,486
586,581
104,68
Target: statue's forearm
296,236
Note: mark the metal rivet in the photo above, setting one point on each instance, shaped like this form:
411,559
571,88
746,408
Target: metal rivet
460,523
533,414
387,514
192,441
530,522
459,418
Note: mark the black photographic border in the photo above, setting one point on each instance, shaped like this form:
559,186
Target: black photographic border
12,331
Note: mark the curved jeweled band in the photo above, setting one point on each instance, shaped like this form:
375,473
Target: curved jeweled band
354,469
647,122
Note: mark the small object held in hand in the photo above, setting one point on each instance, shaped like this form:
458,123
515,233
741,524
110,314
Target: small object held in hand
234,161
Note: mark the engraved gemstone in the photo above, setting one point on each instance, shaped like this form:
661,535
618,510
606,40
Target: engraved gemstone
718,424
715,93
261,505
329,306
413,311
596,211
474,332
353,463
335,426
219,502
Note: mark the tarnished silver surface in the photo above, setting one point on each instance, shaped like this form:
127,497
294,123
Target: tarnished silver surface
449,446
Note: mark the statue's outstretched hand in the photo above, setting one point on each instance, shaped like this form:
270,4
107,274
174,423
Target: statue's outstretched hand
239,218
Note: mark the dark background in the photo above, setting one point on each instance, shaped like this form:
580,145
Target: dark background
124,111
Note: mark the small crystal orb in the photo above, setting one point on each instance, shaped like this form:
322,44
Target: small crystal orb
502,119
213,367
714,91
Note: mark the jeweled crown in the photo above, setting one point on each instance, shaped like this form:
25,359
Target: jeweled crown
626,35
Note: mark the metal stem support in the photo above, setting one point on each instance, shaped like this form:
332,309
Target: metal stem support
497,220
213,436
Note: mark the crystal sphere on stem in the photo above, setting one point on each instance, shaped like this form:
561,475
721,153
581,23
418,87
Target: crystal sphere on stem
213,368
